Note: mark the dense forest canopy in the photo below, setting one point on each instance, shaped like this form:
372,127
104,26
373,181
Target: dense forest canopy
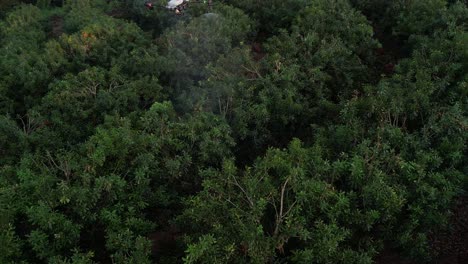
242,131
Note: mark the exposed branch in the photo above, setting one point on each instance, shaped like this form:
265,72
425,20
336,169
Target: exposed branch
280,216
243,190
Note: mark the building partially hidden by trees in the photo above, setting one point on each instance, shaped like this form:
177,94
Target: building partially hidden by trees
243,131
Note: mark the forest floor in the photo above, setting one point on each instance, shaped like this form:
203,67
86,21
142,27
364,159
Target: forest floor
450,246
56,24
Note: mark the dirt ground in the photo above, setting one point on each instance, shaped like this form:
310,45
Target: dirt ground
450,247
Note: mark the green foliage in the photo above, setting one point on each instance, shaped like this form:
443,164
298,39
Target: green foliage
21,62
260,132
274,15
190,47
10,244
253,215
303,80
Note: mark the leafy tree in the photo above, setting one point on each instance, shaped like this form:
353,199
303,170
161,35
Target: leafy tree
21,62
273,15
303,80
192,46
282,203
242,132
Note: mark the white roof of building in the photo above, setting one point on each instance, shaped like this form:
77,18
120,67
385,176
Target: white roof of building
174,3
